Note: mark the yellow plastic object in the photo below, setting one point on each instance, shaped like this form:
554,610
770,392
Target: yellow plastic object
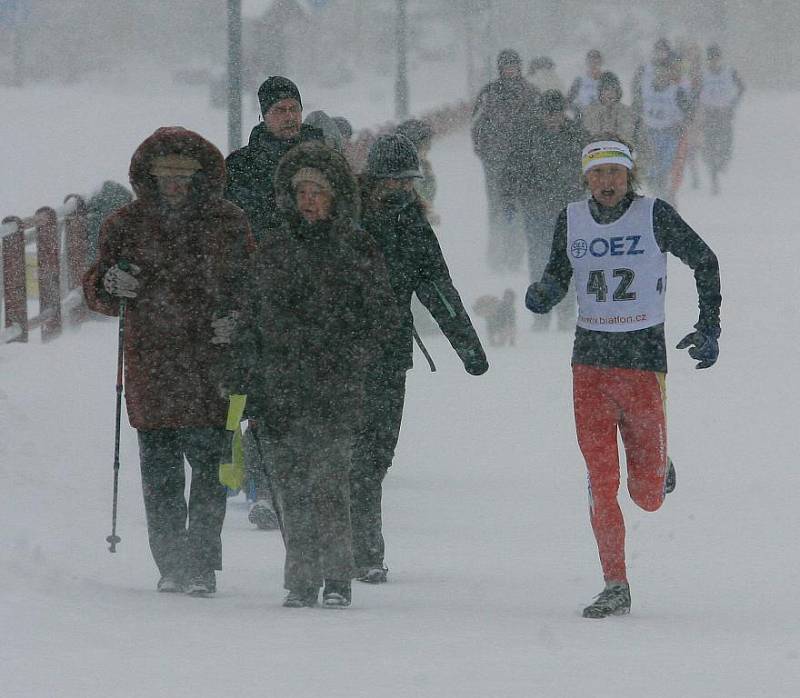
231,470
236,405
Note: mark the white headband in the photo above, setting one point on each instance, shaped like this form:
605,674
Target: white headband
606,153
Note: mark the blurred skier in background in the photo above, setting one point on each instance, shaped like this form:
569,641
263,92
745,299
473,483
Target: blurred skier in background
663,104
543,76
615,245
501,119
720,94
584,89
551,179
610,115
691,67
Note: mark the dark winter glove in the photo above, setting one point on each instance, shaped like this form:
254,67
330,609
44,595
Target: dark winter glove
541,296
122,283
703,347
476,364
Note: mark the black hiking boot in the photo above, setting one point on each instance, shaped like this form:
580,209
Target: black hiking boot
614,600
202,584
305,598
373,575
171,584
336,594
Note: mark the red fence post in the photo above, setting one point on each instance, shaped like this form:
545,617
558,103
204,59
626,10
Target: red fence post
16,300
47,251
76,237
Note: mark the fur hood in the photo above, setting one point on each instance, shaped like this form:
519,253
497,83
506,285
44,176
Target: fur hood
335,168
176,140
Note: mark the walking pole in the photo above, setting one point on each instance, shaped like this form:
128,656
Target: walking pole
423,349
113,539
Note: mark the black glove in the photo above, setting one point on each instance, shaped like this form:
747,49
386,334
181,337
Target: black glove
541,295
476,365
703,347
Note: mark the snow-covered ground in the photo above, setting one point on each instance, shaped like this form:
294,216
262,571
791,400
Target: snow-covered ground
489,545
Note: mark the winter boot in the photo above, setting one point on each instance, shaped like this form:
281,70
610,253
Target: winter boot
614,600
202,584
373,575
304,598
670,482
170,584
336,594
263,515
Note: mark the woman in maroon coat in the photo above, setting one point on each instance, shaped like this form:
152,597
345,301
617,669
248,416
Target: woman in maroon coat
176,254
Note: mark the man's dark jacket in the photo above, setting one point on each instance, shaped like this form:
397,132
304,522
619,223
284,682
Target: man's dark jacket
250,182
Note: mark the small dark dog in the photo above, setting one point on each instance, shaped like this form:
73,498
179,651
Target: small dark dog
501,318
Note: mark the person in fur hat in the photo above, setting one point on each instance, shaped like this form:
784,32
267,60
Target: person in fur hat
321,308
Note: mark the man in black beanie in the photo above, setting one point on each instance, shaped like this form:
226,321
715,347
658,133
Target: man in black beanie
250,185
251,169
501,118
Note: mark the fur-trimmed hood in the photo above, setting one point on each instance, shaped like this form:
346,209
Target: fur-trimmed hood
332,164
176,140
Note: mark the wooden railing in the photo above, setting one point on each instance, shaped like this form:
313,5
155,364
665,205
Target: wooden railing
59,238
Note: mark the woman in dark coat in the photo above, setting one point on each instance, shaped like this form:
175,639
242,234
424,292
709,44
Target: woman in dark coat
395,217
321,310
176,256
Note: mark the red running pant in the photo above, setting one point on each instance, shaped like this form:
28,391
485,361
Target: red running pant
631,401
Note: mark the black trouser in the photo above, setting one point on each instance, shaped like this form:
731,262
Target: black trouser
258,488
506,244
183,545
384,395
308,471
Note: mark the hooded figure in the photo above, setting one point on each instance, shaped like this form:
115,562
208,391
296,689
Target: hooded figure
321,309
175,256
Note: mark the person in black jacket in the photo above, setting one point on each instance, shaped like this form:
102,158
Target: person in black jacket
250,185
251,169
551,179
503,112
320,313
394,217
615,245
